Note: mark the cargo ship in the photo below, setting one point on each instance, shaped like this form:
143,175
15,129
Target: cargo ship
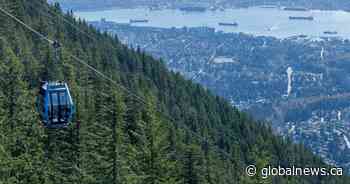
228,24
138,21
268,6
295,9
330,32
193,9
301,18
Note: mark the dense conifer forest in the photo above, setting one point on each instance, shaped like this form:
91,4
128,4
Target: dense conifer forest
179,133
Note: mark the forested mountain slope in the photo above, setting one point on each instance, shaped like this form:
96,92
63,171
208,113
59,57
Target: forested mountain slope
116,138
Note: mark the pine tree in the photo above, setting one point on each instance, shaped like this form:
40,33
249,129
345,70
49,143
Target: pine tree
192,169
118,116
157,164
133,131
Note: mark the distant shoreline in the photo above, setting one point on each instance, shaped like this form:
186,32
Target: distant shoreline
280,27
151,28
146,7
84,8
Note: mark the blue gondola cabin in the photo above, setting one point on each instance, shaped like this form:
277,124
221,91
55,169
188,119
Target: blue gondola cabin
55,104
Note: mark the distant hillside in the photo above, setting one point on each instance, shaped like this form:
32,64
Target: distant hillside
178,133
312,4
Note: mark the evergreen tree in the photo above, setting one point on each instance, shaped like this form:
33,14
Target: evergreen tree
192,170
157,164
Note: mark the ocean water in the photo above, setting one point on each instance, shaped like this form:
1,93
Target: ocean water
256,20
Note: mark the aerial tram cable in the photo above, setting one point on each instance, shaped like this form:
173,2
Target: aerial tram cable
121,86
26,26
64,87
67,21
54,103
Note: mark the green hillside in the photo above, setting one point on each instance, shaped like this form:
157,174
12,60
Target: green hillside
180,133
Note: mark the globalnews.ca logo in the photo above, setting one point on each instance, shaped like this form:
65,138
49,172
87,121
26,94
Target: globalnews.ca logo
269,171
